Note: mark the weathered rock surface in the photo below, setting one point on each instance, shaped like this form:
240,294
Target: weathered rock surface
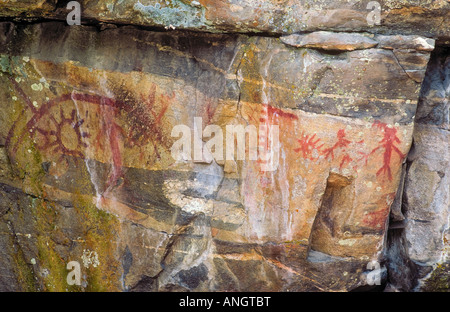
88,174
417,17
88,138
425,196
331,41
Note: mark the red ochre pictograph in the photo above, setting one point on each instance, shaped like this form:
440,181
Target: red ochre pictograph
209,112
270,115
307,145
52,140
309,142
146,121
342,142
345,160
274,115
388,144
377,219
146,127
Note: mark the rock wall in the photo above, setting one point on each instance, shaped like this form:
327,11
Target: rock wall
422,241
354,178
418,17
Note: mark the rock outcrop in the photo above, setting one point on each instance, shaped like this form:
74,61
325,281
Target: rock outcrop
350,122
408,17
425,195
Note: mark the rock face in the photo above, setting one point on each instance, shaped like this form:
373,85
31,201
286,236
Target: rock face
350,167
426,191
418,17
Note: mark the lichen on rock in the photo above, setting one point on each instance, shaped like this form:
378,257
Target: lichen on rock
355,179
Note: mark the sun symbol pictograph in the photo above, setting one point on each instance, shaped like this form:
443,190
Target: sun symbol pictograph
63,136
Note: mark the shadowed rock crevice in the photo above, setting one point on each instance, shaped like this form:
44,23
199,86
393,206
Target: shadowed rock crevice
402,272
330,225
417,246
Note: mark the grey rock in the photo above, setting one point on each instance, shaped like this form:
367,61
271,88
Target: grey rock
405,42
330,41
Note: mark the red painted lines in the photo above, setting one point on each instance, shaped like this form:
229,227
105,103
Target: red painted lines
388,144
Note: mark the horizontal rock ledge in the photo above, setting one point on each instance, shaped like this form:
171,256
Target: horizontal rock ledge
354,41
426,18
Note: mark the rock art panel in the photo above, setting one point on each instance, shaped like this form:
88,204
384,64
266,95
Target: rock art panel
88,118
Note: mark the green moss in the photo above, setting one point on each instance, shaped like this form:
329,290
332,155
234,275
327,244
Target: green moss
13,65
5,64
100,236
439,280
99,230
23,271
96,229
56,278
176,13
27,159
302,242
30,169
45,214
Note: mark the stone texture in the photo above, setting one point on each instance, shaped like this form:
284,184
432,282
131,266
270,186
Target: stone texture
426,195
330,41
418,17
86,124
405,42
419,248
430,160
86,133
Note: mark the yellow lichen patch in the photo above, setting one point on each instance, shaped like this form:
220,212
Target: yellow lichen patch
100,232
439,280
23,271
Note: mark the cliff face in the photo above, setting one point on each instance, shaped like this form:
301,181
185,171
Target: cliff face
419,17
349,188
